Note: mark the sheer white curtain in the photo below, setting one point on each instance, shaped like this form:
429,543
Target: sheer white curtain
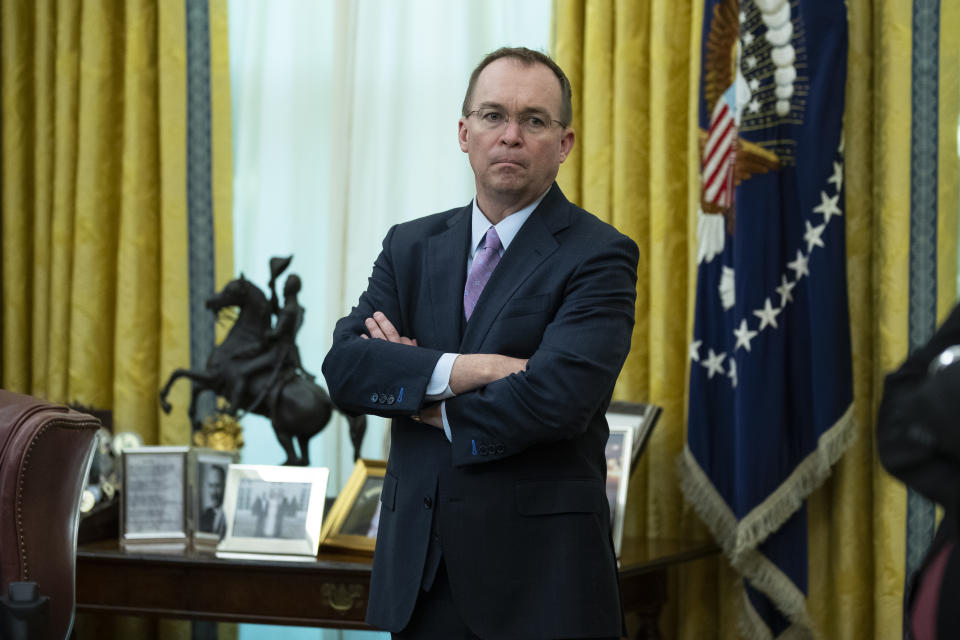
344,123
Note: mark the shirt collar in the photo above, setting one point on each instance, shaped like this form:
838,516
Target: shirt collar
507,228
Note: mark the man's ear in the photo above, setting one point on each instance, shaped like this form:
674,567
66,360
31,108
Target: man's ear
566,143
463,134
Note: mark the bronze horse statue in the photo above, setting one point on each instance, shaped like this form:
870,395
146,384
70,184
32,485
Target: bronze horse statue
296,406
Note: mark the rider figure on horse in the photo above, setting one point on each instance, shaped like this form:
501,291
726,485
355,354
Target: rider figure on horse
277,352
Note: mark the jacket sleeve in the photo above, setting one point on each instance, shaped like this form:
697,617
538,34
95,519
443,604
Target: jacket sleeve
918,425
570,375
375,376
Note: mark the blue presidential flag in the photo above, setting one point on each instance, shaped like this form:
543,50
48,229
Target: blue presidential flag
771,387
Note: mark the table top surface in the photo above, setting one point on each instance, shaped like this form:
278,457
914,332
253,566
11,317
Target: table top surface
638,555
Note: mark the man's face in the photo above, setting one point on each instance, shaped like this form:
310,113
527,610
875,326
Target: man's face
512,165
215,486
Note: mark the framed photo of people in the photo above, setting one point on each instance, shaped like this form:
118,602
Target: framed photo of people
208,481
354,517
630,427
273,510
640,417
153,505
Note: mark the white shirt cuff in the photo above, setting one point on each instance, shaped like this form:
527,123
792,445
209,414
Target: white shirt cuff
439,386
446,423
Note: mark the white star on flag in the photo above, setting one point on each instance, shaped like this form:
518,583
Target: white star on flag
800,265
751,62
837,177
812,236
828,206
743,16
754,84
767,315
744,335
733,372
784,290
754,106
695,350
714,363
747,39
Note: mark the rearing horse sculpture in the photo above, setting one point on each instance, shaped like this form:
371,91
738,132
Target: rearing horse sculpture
296,406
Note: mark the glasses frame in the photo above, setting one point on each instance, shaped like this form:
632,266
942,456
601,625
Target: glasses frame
508,118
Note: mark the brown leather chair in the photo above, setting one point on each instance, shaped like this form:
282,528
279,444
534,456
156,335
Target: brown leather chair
45,455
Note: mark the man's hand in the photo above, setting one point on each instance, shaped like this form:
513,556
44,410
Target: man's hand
432,416
474,370
381,328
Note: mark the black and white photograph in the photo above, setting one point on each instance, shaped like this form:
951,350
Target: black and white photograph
274,509
213,480
271,509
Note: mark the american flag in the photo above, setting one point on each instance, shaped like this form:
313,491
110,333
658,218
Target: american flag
771,383
719,154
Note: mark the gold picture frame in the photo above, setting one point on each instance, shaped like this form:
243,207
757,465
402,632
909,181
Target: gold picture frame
353,520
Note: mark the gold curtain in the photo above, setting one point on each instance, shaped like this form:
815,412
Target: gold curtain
95,274
635,73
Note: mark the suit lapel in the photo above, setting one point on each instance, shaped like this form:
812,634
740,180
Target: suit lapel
531,246
447,274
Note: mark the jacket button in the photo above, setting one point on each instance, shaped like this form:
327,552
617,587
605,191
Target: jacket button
391,399
382,399
374,397
500,448
427,502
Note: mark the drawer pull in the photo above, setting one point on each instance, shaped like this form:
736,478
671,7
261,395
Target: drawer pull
341,597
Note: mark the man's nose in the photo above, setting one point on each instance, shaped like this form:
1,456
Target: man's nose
512,133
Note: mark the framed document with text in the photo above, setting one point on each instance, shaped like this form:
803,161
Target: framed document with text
153,505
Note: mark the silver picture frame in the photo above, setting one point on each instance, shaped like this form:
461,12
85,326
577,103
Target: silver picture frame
154,497
208,479
274,511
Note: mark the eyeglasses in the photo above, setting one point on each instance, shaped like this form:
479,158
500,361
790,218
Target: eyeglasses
532,123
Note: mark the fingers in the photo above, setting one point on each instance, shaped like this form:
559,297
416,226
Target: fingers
374,328
386,327
381,328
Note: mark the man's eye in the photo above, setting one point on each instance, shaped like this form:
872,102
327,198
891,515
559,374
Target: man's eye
492,116
536,122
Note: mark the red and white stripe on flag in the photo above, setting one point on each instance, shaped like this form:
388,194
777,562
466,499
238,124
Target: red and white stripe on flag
718,156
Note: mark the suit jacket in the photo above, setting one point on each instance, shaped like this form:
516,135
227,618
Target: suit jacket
519,493
918,439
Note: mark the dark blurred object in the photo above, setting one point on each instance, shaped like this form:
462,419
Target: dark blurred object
918,438
257,367
24,613
45,453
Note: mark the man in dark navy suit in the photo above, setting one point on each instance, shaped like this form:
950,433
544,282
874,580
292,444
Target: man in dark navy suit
493,335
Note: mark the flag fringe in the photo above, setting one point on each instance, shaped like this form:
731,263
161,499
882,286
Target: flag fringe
739,540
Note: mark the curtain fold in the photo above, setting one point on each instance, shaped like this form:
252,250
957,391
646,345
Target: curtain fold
635,74
95,277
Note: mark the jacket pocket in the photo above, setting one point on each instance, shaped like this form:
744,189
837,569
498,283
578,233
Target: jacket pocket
388,495
526,305
545,497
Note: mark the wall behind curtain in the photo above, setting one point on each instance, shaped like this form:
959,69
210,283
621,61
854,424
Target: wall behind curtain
345,123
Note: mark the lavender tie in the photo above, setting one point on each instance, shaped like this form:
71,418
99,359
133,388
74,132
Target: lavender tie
484,262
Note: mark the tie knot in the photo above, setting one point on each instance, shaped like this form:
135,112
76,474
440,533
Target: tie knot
492,240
